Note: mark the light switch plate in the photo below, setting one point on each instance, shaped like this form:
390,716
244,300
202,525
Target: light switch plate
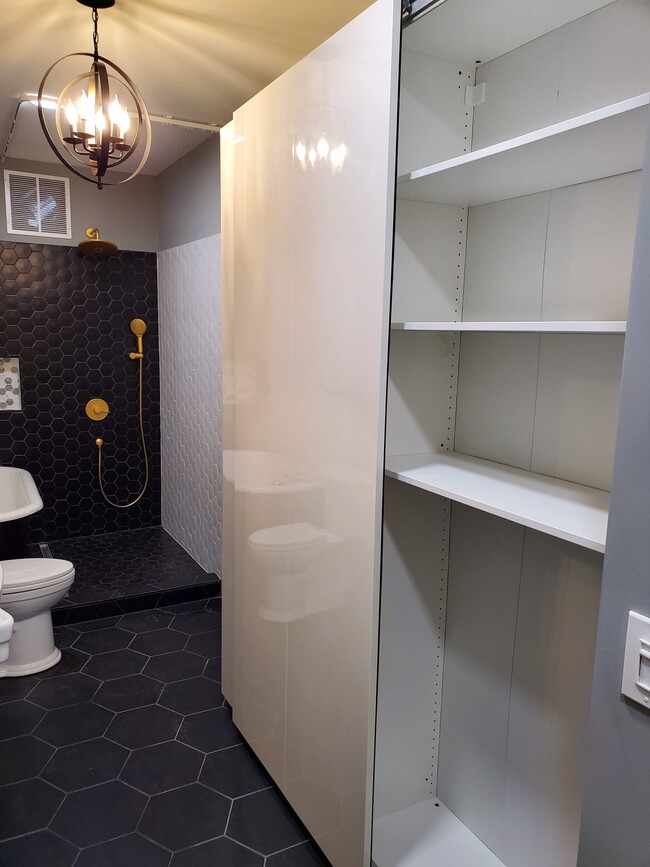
636,666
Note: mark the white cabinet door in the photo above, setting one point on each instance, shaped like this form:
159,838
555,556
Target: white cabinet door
309,165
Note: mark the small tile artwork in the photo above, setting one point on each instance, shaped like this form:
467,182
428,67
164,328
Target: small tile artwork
10,385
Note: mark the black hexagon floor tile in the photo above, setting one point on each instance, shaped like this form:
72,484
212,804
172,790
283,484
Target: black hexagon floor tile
71,660
265,823
192,696
94,739
146,621
115,663
22,759
162,767
144,726
19,718
15,688
26,807
197,622
206,644
221,851
103,640
178,665
65,636
99,814
234,772
129,851
304,855
213,670
159,641
126,693
85,764
42,847
204,813
210,730
63,691
71,725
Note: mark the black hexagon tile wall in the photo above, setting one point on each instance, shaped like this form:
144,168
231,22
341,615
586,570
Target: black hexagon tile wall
66,318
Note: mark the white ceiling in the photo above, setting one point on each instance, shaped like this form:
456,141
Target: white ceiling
196,59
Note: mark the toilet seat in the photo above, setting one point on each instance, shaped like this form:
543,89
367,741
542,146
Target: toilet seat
35,573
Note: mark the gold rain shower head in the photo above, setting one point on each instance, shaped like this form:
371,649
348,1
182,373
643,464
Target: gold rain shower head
95,246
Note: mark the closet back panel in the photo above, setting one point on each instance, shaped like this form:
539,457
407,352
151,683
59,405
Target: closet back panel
521,625
599,59
546,403
559,255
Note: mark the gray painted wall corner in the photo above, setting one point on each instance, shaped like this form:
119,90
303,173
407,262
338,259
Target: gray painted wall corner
616,815
190,191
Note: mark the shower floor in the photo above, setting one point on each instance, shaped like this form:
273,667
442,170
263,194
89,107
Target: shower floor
127,571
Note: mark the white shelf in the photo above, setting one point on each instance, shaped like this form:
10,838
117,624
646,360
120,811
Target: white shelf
563,509
586,327
598,144
427,835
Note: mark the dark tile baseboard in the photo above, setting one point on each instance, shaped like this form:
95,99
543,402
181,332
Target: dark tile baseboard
116,607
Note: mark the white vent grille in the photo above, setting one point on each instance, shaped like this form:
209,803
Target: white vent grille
37,205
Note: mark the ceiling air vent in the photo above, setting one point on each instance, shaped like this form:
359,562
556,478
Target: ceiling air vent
37,205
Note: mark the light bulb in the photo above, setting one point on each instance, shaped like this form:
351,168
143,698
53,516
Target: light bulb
124,123
71,114
83,106
312,155
301,150
115,112
323,147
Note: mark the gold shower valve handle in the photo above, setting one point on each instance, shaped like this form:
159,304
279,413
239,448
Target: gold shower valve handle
96,409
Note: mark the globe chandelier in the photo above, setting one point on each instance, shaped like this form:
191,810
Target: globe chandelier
100,119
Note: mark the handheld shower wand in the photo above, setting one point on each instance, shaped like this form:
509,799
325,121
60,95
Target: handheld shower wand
138,327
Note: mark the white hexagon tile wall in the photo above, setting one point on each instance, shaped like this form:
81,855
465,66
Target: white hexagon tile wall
191,397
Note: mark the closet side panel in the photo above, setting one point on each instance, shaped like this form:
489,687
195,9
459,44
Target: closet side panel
342,216
227,137
260,456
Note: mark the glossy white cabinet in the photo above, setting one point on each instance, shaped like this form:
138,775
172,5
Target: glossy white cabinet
309,207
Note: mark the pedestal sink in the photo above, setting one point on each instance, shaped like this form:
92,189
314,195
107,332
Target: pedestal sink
18,494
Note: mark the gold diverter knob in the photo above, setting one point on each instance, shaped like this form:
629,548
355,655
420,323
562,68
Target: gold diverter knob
96,409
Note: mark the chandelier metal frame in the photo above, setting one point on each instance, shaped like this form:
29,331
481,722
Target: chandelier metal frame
83,147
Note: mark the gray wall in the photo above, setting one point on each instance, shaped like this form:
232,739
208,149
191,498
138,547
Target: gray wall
616,814
127,214
190,197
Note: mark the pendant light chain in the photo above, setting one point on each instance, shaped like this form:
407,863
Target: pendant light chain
95,33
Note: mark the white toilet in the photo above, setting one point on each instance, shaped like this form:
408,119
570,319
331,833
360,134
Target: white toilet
29,589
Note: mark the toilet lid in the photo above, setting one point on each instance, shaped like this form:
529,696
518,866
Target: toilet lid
33,573
299,535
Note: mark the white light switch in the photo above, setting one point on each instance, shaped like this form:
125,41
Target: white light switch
636,666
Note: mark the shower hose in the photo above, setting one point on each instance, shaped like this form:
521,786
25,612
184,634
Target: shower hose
100,443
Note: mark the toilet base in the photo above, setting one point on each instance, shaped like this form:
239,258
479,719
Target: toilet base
31,667
31,648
